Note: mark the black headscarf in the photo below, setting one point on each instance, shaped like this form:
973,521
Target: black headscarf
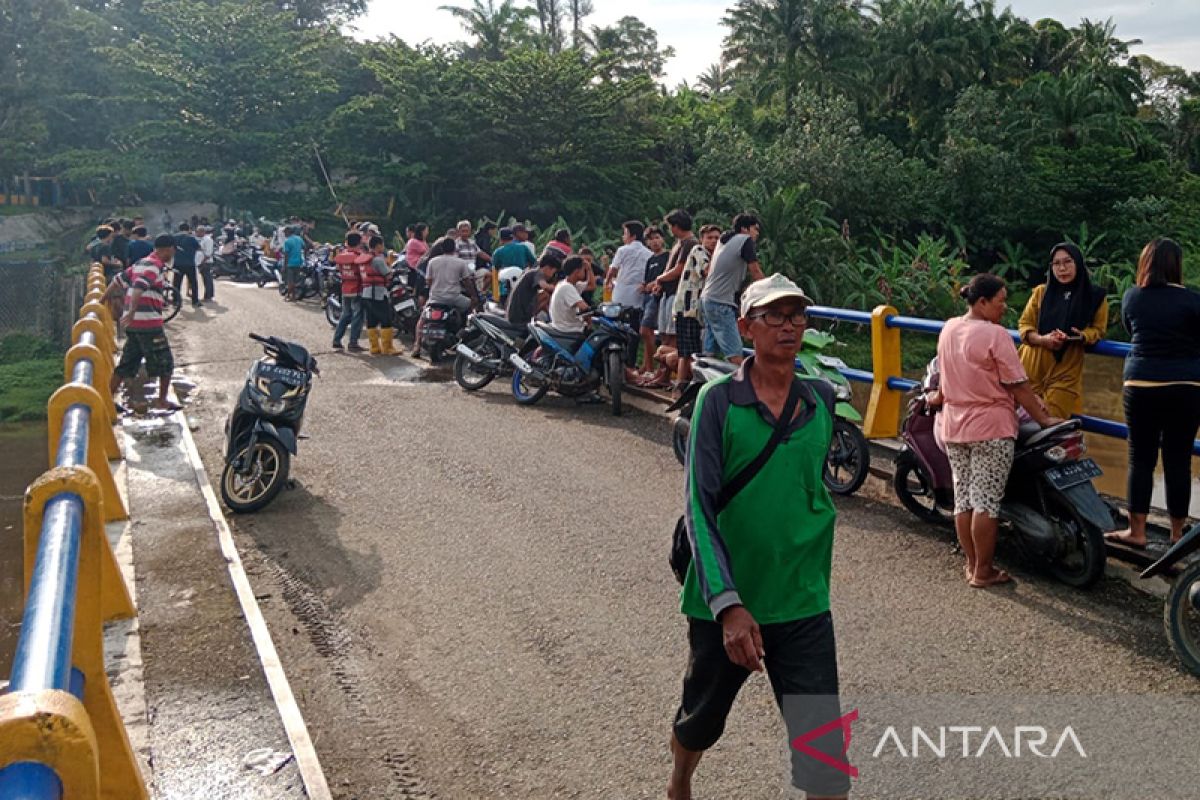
1069,305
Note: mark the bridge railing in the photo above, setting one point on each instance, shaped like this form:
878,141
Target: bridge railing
888,385
61,735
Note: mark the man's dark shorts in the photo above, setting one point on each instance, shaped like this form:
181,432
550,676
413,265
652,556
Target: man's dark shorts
801,659
689,336
150,346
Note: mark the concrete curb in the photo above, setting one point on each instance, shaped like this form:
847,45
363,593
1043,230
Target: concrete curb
307,762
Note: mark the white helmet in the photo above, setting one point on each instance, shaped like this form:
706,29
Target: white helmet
508,279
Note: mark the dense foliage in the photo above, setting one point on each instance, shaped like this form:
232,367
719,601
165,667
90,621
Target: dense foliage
890,147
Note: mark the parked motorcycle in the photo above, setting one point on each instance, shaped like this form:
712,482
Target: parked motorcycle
239,265
261,432
1181,612
439,329
1050,506
575,364
269,270
849,460
483,348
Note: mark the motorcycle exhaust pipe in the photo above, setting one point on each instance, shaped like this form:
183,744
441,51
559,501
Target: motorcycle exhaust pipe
526,368
468,353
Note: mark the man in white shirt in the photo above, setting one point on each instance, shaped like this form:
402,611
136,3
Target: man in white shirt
566,303
204,261
627,276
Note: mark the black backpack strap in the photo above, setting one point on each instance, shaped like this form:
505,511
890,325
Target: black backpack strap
739,481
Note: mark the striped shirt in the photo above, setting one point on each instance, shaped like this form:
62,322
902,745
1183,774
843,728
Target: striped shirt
146,275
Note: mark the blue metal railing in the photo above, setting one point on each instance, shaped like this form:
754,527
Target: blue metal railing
43,656
1098,425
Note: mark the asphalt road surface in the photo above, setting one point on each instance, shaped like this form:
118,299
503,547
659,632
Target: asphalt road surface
472,600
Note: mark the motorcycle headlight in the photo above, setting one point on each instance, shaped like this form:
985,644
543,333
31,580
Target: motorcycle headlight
273,406
842,393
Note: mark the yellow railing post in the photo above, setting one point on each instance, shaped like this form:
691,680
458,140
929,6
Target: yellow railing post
883,412
99,590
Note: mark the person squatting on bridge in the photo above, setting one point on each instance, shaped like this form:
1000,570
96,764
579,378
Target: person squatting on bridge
756,593
1162,386
1064,315
981,377
145,339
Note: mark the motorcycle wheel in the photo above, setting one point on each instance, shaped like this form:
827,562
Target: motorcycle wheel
172,303
466,374
615,378
1181,617
680,432
282,288
245,494
333,310
915,490
525,392
1084,566
849,459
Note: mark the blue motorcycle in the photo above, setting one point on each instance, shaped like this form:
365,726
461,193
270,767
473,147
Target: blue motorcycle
575,364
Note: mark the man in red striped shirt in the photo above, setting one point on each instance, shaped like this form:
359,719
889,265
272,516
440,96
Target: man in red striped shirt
145,339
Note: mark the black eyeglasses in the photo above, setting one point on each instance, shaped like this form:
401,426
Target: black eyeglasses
775,319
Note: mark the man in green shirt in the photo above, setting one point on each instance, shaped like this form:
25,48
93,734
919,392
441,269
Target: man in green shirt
757,592
511,253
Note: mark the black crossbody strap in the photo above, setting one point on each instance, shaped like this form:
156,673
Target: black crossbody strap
739,481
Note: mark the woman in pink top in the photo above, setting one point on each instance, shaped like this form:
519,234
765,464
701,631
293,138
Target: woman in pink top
416,248
981,383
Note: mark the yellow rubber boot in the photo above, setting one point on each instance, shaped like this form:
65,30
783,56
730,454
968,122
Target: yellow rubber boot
373,336
387,342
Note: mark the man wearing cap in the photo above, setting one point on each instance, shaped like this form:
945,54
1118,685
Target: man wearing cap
145,339
511,253
756,593
521,235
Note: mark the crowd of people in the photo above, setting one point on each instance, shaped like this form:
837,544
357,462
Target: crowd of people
984,376
752,546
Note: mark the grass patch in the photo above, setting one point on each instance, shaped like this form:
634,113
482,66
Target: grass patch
26,386
30,371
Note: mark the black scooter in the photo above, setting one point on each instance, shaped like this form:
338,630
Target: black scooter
483,348
1181,614
261,432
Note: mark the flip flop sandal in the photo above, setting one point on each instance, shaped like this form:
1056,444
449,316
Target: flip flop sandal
1108,537
999,579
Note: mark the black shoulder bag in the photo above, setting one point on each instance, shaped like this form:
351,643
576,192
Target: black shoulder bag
681,548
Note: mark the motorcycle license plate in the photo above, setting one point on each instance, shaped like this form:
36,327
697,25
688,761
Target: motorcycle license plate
1068,475
831,362
292,377
404,305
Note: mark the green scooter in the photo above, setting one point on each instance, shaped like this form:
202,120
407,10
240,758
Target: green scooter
849,459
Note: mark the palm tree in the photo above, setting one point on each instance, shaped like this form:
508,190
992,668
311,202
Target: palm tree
716,80
497,28
783,44
1071,109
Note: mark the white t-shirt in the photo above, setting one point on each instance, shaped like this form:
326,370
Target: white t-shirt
206,248
563,315
446,274
630,263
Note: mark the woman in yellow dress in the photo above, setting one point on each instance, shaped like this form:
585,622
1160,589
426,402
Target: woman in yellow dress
1064,315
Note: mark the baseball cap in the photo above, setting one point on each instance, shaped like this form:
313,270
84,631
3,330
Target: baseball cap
506,233
768,290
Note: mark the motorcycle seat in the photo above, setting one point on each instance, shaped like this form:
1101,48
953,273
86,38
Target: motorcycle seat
715,364
1030,434
503,324
571,341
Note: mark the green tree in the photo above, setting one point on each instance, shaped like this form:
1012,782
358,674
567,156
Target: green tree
780,45
496,29
628,49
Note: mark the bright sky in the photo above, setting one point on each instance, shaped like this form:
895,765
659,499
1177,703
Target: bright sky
1170,29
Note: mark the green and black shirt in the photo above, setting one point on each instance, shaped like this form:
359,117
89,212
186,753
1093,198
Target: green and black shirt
771,548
